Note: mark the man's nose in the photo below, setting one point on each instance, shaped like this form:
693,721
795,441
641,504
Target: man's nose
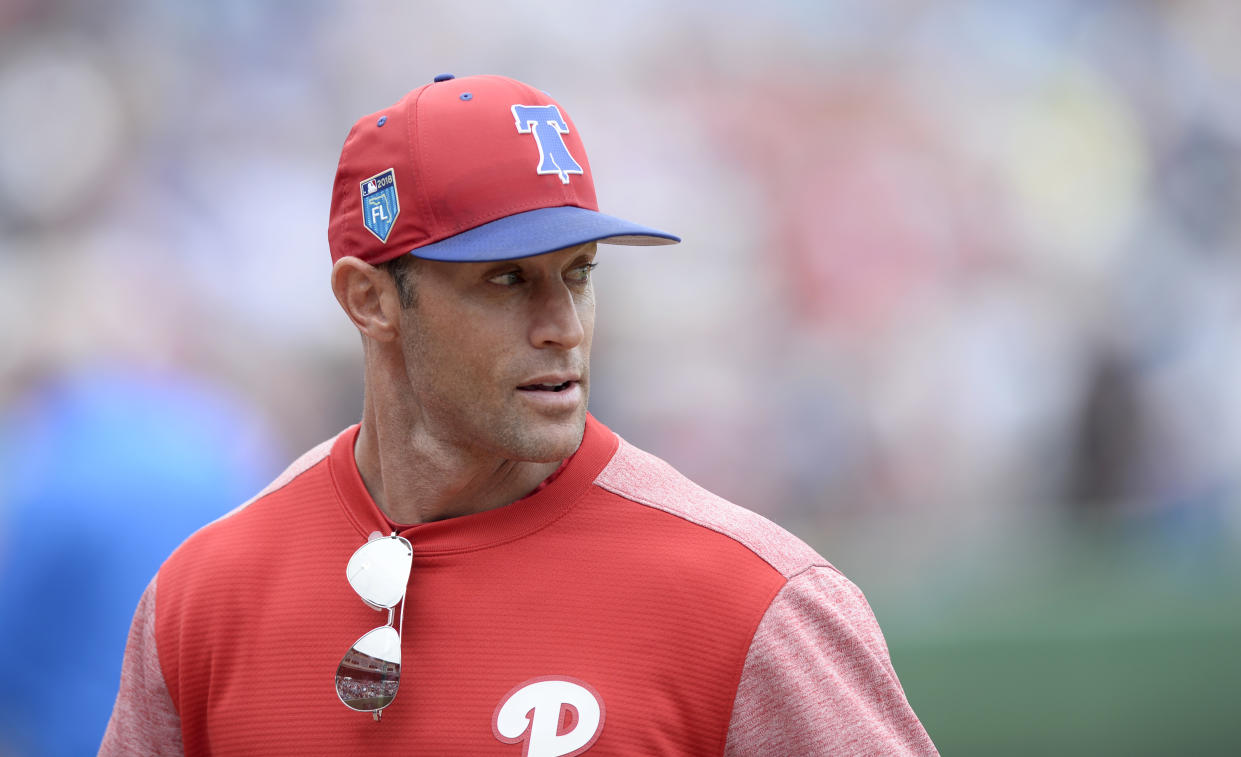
555,318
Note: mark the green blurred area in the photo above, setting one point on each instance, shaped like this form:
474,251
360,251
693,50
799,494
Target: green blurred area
1137,694
1073,638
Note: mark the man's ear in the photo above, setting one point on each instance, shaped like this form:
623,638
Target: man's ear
368,296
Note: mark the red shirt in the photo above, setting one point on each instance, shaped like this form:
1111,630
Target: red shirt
667,621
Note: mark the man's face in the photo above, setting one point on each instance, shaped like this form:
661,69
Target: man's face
498,354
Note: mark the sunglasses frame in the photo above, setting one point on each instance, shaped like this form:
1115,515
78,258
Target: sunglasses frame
358,564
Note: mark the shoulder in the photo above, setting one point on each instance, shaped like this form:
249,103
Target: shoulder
641,477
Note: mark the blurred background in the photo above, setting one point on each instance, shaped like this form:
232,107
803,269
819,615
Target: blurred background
959,303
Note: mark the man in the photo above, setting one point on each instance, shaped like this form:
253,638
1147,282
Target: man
548,589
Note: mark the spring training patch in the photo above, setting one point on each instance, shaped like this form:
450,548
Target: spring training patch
380,205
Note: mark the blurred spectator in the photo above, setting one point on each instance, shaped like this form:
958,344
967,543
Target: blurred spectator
102,474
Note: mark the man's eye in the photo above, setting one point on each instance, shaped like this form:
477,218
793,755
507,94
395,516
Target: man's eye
581,274
508,278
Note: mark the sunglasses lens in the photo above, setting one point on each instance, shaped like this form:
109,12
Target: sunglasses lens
379,571
370,671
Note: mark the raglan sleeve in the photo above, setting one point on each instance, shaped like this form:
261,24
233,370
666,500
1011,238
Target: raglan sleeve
144,720
817,679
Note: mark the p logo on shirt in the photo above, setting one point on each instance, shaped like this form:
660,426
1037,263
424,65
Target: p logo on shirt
555,716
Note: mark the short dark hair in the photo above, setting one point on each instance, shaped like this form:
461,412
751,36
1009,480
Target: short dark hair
401,269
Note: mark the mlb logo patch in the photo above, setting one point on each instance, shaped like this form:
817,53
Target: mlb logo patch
380,205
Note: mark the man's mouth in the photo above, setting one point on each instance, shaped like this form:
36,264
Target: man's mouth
546,387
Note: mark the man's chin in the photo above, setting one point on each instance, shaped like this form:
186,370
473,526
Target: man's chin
549,442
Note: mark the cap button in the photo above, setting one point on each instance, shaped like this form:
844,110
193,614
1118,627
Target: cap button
444,77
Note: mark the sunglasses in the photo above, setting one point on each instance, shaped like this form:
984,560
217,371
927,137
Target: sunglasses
370,672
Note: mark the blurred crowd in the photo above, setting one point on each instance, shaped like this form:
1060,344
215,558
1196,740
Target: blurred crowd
952,261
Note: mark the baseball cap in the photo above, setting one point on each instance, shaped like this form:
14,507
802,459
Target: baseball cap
473,169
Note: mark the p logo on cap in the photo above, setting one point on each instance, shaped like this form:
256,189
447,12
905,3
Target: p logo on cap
546,123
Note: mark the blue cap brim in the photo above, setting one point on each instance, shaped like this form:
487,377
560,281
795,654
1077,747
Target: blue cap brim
535,232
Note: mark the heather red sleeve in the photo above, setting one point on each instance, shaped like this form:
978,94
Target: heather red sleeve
818,680
144,722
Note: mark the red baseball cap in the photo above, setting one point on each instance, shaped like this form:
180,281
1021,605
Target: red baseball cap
472,169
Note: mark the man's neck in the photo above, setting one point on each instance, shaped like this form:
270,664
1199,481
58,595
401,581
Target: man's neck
415,479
